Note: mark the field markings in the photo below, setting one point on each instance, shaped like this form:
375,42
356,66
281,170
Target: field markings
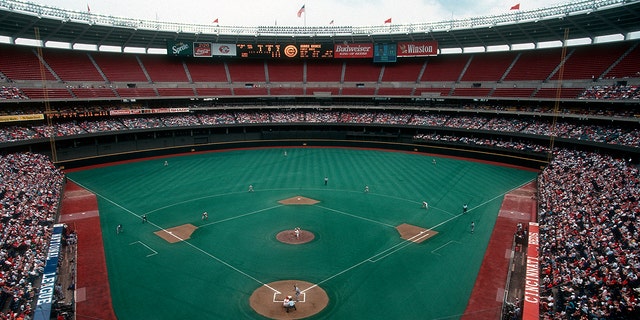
192,200
184,241
396,248
240,216
146,246
444,245
373,259
355,216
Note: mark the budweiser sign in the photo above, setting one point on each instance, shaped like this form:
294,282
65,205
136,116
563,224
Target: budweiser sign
354,50
417,49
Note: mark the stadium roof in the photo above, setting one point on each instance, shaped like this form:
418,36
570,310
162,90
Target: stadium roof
587,19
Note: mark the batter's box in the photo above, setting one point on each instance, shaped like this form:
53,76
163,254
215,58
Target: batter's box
279,297
299,200
177,234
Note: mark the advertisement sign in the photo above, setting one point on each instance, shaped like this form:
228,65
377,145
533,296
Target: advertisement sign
223,49
49,274
202,49
353,50
417,49
22,117
531,303
180,48
124,112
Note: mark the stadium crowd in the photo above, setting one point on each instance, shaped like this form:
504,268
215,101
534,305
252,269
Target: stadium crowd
11,92
589,211
495,143
603,133
599,92
589,203
30,188
612,92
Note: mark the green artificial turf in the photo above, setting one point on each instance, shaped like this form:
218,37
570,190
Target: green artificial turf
357,255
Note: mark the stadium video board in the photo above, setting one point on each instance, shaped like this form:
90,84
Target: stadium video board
384,52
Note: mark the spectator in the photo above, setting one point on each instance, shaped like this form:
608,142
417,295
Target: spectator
589,218
30,188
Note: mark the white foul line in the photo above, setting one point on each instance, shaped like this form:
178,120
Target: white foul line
184,241
146,246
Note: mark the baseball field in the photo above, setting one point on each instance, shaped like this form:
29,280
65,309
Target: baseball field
363,254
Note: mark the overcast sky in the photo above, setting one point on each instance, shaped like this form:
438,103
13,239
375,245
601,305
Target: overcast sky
284,12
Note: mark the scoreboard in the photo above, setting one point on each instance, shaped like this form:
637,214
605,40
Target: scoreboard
379,52
316,51
285,51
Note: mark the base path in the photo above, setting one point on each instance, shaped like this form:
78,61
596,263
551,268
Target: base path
299,201
414,233
177,234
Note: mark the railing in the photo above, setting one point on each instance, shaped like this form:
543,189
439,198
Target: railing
506,18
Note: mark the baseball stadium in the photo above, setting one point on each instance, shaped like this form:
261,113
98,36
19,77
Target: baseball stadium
476,168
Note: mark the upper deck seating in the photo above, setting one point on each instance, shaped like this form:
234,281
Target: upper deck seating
321,71
444,68
164,69
72,65
247,71
22,63
207,70
488,66
118,67
361,71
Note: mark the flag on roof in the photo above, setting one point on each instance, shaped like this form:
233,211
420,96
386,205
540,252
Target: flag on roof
215,21
515,7
88,9
301,11
388,20
331,22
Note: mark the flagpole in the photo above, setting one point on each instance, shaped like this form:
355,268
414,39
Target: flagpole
303,11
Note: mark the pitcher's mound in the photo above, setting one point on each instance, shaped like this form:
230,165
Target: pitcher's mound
267,300
299,200
289,236
177,234
414,233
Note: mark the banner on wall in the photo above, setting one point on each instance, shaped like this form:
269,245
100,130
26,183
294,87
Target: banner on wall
531,303
49,275
22,117
353,50
180,48
223,49
124,112
202,49
417,49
